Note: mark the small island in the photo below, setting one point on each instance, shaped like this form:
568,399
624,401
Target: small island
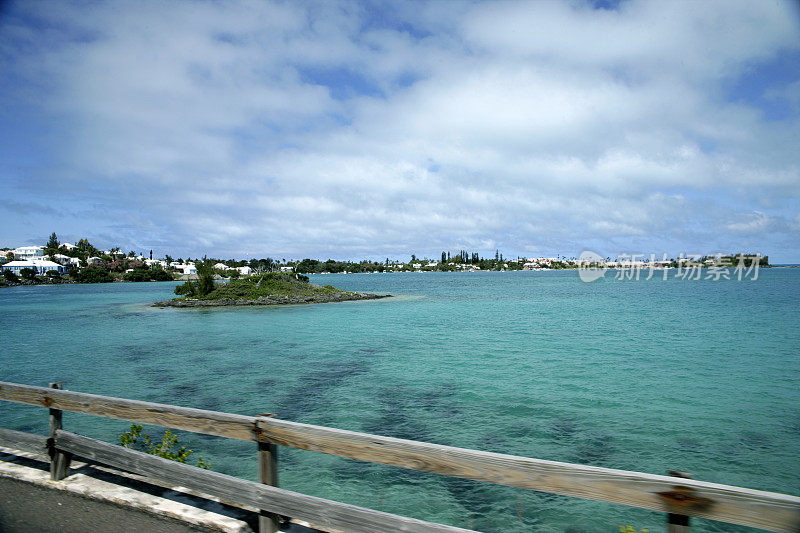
273,288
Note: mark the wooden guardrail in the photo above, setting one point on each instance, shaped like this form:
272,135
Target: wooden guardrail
685,497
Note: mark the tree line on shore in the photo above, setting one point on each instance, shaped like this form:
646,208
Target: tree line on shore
114,265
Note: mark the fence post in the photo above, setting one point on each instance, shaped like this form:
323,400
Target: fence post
678,523
268,475
59,461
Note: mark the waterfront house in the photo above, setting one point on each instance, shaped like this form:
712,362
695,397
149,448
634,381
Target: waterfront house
25,253
41,266
188,269
245,271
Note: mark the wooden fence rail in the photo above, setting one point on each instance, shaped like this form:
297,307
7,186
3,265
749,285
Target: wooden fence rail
26,442
279,501
688,497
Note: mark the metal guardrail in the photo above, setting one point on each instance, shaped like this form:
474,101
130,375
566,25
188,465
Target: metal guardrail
679,497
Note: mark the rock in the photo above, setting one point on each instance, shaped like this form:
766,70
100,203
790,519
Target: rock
272,300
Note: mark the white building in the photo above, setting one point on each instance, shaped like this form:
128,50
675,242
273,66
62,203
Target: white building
286,269
67,260
188,269
24,253
67,246
94,261
41,266
245,270
159,262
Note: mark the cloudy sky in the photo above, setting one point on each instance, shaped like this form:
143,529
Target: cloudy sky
372,130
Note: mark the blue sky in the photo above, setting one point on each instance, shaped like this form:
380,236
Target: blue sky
375,129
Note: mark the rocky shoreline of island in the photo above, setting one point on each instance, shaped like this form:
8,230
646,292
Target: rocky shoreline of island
270,300
274,288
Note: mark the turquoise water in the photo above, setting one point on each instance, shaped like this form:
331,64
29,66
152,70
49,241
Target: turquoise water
699,376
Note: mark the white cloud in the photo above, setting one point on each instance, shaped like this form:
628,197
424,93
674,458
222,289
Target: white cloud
753,223
287,128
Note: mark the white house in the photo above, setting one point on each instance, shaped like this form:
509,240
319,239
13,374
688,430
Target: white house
24,253
159,262
245,271
41,266
286,269
67,246
94,261
188,268
67,260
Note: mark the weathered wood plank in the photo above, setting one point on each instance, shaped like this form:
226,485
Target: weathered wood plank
766,510
59,461
25,442
268,474
197,420
323,513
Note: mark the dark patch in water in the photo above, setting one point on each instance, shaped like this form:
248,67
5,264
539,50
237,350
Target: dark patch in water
159,376
793,426
575,529
521,431
688,444
393,420
369,350
136,353
753,440
494,442
563,429
313,386
483,501
186,391
264,385
211,403
594,450
442,401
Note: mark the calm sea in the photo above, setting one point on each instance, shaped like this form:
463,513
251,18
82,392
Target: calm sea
693,375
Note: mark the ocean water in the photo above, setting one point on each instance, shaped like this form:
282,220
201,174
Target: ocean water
694,375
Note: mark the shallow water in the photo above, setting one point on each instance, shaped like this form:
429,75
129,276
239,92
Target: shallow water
700,376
